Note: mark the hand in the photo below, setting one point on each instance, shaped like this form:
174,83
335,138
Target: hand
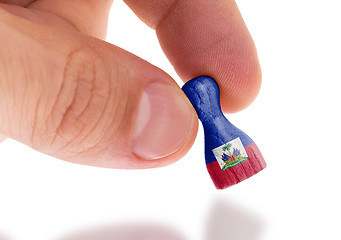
66,93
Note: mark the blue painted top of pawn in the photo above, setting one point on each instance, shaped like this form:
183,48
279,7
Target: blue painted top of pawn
203,92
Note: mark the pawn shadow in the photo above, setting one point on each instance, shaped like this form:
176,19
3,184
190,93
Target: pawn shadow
229,221
134,231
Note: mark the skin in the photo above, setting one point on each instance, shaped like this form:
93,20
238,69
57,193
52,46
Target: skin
53,52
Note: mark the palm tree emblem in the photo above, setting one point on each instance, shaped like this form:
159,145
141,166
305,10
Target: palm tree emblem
231,157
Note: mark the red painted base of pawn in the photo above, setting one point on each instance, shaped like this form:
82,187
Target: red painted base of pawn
225,178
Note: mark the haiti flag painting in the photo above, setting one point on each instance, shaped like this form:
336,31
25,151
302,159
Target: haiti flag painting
230,154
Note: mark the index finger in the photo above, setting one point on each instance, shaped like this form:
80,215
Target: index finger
206,38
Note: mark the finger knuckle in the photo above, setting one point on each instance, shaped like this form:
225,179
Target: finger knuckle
81,100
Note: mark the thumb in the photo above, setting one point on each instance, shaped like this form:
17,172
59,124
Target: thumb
2,138
83,100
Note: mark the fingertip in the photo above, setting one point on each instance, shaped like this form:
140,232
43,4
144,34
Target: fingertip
164,124
240,87
205,38
239,78
183,150
2,138
140,163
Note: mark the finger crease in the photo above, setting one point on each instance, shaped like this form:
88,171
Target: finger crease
167,13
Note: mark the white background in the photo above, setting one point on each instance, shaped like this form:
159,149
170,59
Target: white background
295,121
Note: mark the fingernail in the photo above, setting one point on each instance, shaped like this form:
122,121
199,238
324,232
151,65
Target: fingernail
165,120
